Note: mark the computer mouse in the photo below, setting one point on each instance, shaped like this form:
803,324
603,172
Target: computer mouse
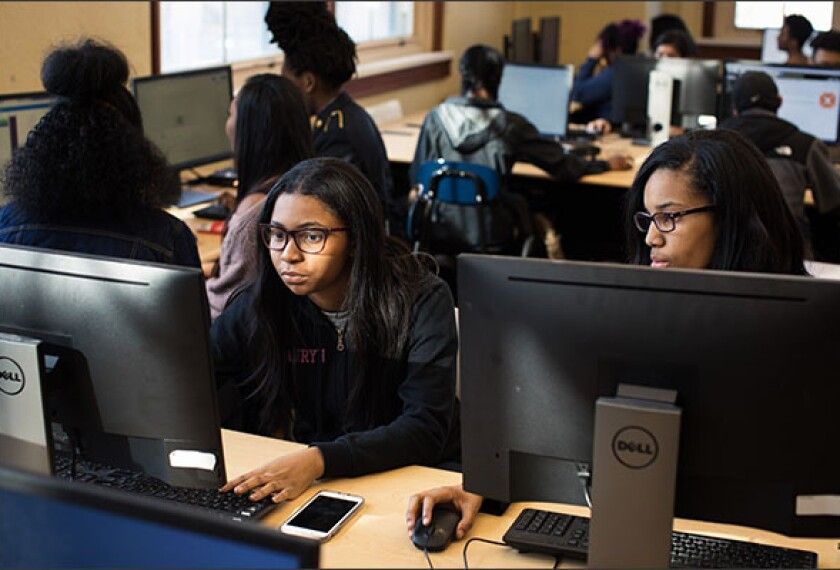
441,529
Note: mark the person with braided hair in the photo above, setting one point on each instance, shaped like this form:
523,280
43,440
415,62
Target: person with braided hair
87,180
320,58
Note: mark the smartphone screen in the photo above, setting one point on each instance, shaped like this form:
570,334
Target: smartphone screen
322,514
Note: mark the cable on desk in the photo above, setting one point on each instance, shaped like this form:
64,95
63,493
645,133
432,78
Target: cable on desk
557,559
426,552
478,539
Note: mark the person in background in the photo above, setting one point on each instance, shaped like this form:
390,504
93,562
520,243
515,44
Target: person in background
591,96
345,340
269,132
674,43
706,200
796,29
665,23
797,159
826,49
320,58
87,180
475,128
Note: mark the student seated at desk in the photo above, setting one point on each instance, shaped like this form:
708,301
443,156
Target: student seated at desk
476,128
674,43
797,159
269,131
591,96
319,57
345,341
826,49
796,29
706,200
87,180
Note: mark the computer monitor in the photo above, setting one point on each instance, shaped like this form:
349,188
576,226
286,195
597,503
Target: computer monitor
19,113
697,89
184,114
52,523
630,90
810,96
522,41
549,40
550,111
753,358
700,85
128,366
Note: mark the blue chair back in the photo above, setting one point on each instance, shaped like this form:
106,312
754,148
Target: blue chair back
456,181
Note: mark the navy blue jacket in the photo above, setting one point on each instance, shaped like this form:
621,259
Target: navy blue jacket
150,235
343,129
593,92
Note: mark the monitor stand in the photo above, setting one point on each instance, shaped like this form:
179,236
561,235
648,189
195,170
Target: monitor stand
634,468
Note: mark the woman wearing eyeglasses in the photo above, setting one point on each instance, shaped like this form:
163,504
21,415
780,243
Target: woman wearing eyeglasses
345,341
708,200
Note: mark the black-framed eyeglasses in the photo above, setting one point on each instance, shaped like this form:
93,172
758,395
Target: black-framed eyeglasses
665,221
307,240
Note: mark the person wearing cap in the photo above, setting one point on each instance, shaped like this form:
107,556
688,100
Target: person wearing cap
795,31
826,48
798,160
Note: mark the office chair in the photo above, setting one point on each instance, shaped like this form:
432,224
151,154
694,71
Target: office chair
460,208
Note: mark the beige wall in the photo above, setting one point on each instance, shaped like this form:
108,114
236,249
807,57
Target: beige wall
29,29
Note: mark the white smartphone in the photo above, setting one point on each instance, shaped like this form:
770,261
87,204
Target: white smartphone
322,515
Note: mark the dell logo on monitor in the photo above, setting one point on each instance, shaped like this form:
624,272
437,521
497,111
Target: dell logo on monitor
635,447
11,377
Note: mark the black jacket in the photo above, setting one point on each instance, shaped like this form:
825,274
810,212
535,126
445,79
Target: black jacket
343,129
420,425
798,160
483,132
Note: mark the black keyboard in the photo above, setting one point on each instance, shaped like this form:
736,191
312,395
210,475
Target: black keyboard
228,505
567,535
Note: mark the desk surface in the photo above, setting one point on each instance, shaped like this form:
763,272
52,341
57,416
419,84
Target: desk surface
376,536
401,137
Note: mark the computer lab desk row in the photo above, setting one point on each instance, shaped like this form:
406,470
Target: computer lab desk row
376,536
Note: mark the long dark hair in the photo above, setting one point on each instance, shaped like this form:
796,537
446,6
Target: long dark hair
272,131
754,228
385,280
622,37
87,157
481,66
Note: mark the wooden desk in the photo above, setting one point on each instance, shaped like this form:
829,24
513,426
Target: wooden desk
401,137
209,244
376,536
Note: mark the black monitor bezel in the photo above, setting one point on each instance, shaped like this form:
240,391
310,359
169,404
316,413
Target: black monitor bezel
158,511
180,74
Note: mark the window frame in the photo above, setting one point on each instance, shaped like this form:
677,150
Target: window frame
427,37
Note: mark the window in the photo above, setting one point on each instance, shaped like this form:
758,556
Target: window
370,21
763,15
204,34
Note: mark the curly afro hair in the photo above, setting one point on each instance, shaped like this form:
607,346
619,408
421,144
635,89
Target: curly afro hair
312,41
87,158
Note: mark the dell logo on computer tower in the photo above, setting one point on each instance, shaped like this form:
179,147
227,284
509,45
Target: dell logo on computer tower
635,447
11,377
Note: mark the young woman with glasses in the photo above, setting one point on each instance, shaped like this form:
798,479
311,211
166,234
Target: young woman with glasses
345,341
708,200
269,132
